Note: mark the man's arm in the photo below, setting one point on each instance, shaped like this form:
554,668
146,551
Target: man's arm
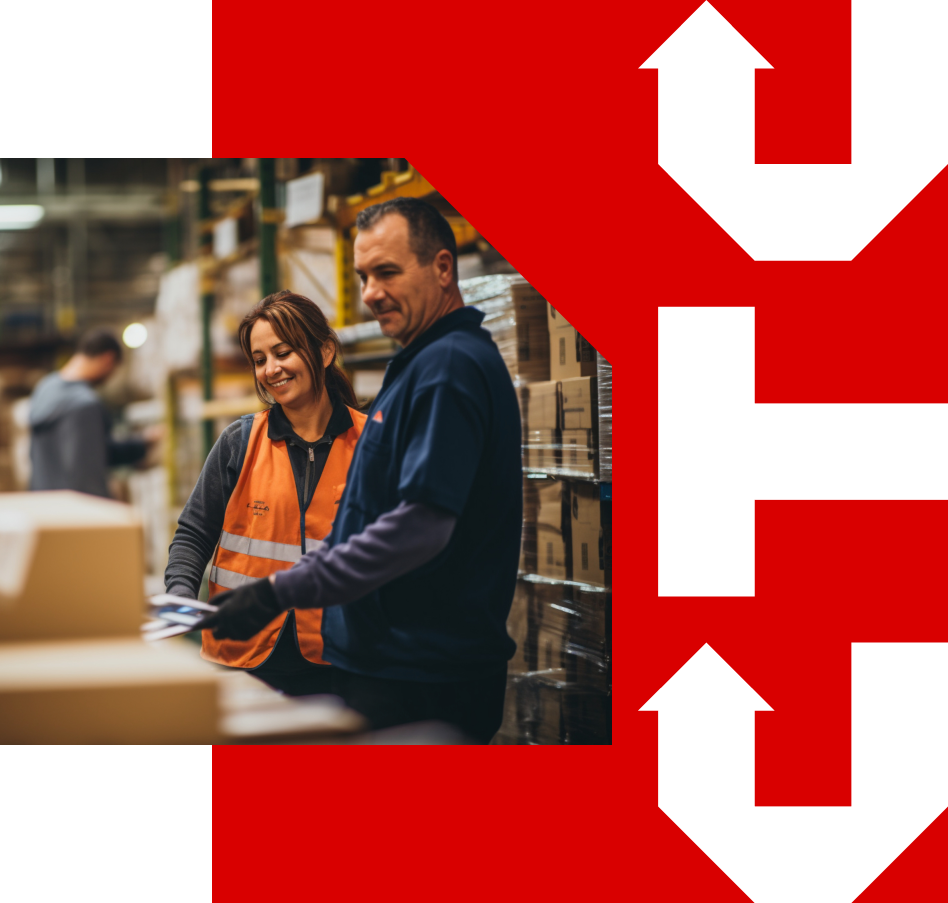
398,542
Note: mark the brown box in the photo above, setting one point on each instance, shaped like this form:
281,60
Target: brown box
106,691
518,627
85,577
578,451
570,354
542,450
552,559
586,538
543,406
550,646
553,530
579,409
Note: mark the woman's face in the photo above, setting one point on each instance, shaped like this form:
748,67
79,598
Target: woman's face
279,369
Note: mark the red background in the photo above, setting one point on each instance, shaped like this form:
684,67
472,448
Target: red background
538,127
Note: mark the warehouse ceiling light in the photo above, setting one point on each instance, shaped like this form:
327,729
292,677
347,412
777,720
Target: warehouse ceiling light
135,335
20,216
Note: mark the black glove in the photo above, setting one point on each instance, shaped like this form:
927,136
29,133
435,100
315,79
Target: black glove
242,613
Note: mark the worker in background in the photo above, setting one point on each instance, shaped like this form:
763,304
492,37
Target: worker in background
71,446
269,489
417,576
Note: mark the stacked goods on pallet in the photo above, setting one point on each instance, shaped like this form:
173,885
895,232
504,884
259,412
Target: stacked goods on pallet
561,416
604,386
515,315
559,678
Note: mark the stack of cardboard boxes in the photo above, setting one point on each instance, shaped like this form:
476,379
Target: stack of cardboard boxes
561,418
72,666
559,687
515,315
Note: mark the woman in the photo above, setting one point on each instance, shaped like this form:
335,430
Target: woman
269,488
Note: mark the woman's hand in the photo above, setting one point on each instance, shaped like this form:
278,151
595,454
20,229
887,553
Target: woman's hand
242,613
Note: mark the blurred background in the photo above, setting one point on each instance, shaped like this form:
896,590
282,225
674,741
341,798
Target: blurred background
170,254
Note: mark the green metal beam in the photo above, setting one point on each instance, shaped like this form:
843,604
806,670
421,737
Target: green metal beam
269,219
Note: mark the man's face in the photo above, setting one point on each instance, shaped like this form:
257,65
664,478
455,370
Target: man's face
402,293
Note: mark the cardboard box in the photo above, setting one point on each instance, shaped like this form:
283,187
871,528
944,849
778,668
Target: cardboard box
550,644
552,553
518,628
578,452
106,691
588,565
542,449
579,404
543,406
570,354
553,502
84,576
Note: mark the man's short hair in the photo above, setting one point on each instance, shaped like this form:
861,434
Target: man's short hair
99,341
428,231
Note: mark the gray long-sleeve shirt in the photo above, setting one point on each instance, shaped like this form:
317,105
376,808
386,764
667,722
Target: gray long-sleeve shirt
70,438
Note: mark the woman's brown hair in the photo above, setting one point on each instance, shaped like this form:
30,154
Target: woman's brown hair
301,324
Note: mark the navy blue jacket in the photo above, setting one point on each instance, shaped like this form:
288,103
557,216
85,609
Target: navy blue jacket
444,431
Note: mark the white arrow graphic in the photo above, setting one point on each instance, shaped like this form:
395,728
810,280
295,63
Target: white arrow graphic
806,212
788,854
719,451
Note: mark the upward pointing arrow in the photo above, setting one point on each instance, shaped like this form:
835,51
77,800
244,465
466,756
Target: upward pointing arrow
706,91
706,736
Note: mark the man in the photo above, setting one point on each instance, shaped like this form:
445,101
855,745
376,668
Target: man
70,442
417,575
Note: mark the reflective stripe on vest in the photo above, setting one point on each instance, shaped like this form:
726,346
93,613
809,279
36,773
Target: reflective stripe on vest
262,548
261,535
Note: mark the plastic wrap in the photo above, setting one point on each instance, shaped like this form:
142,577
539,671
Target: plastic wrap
515,315
564,536
559,679
604,381
544,707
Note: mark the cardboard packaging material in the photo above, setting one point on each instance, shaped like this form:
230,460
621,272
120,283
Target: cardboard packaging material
553,523
587,535
106,691
570,354
542,449
543,406
515,315
604,381
528,542
533,349
552,553
578,453
550,649
82,568
518,627
579,404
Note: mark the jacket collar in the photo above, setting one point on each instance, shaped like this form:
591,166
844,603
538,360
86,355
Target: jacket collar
279,428
464,318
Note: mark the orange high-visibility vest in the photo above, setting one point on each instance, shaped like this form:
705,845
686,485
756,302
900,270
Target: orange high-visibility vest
261,536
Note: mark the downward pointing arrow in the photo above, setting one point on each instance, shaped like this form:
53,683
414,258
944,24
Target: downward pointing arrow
807,212
706,92
819,854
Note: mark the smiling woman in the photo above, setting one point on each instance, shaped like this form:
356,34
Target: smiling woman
269,489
